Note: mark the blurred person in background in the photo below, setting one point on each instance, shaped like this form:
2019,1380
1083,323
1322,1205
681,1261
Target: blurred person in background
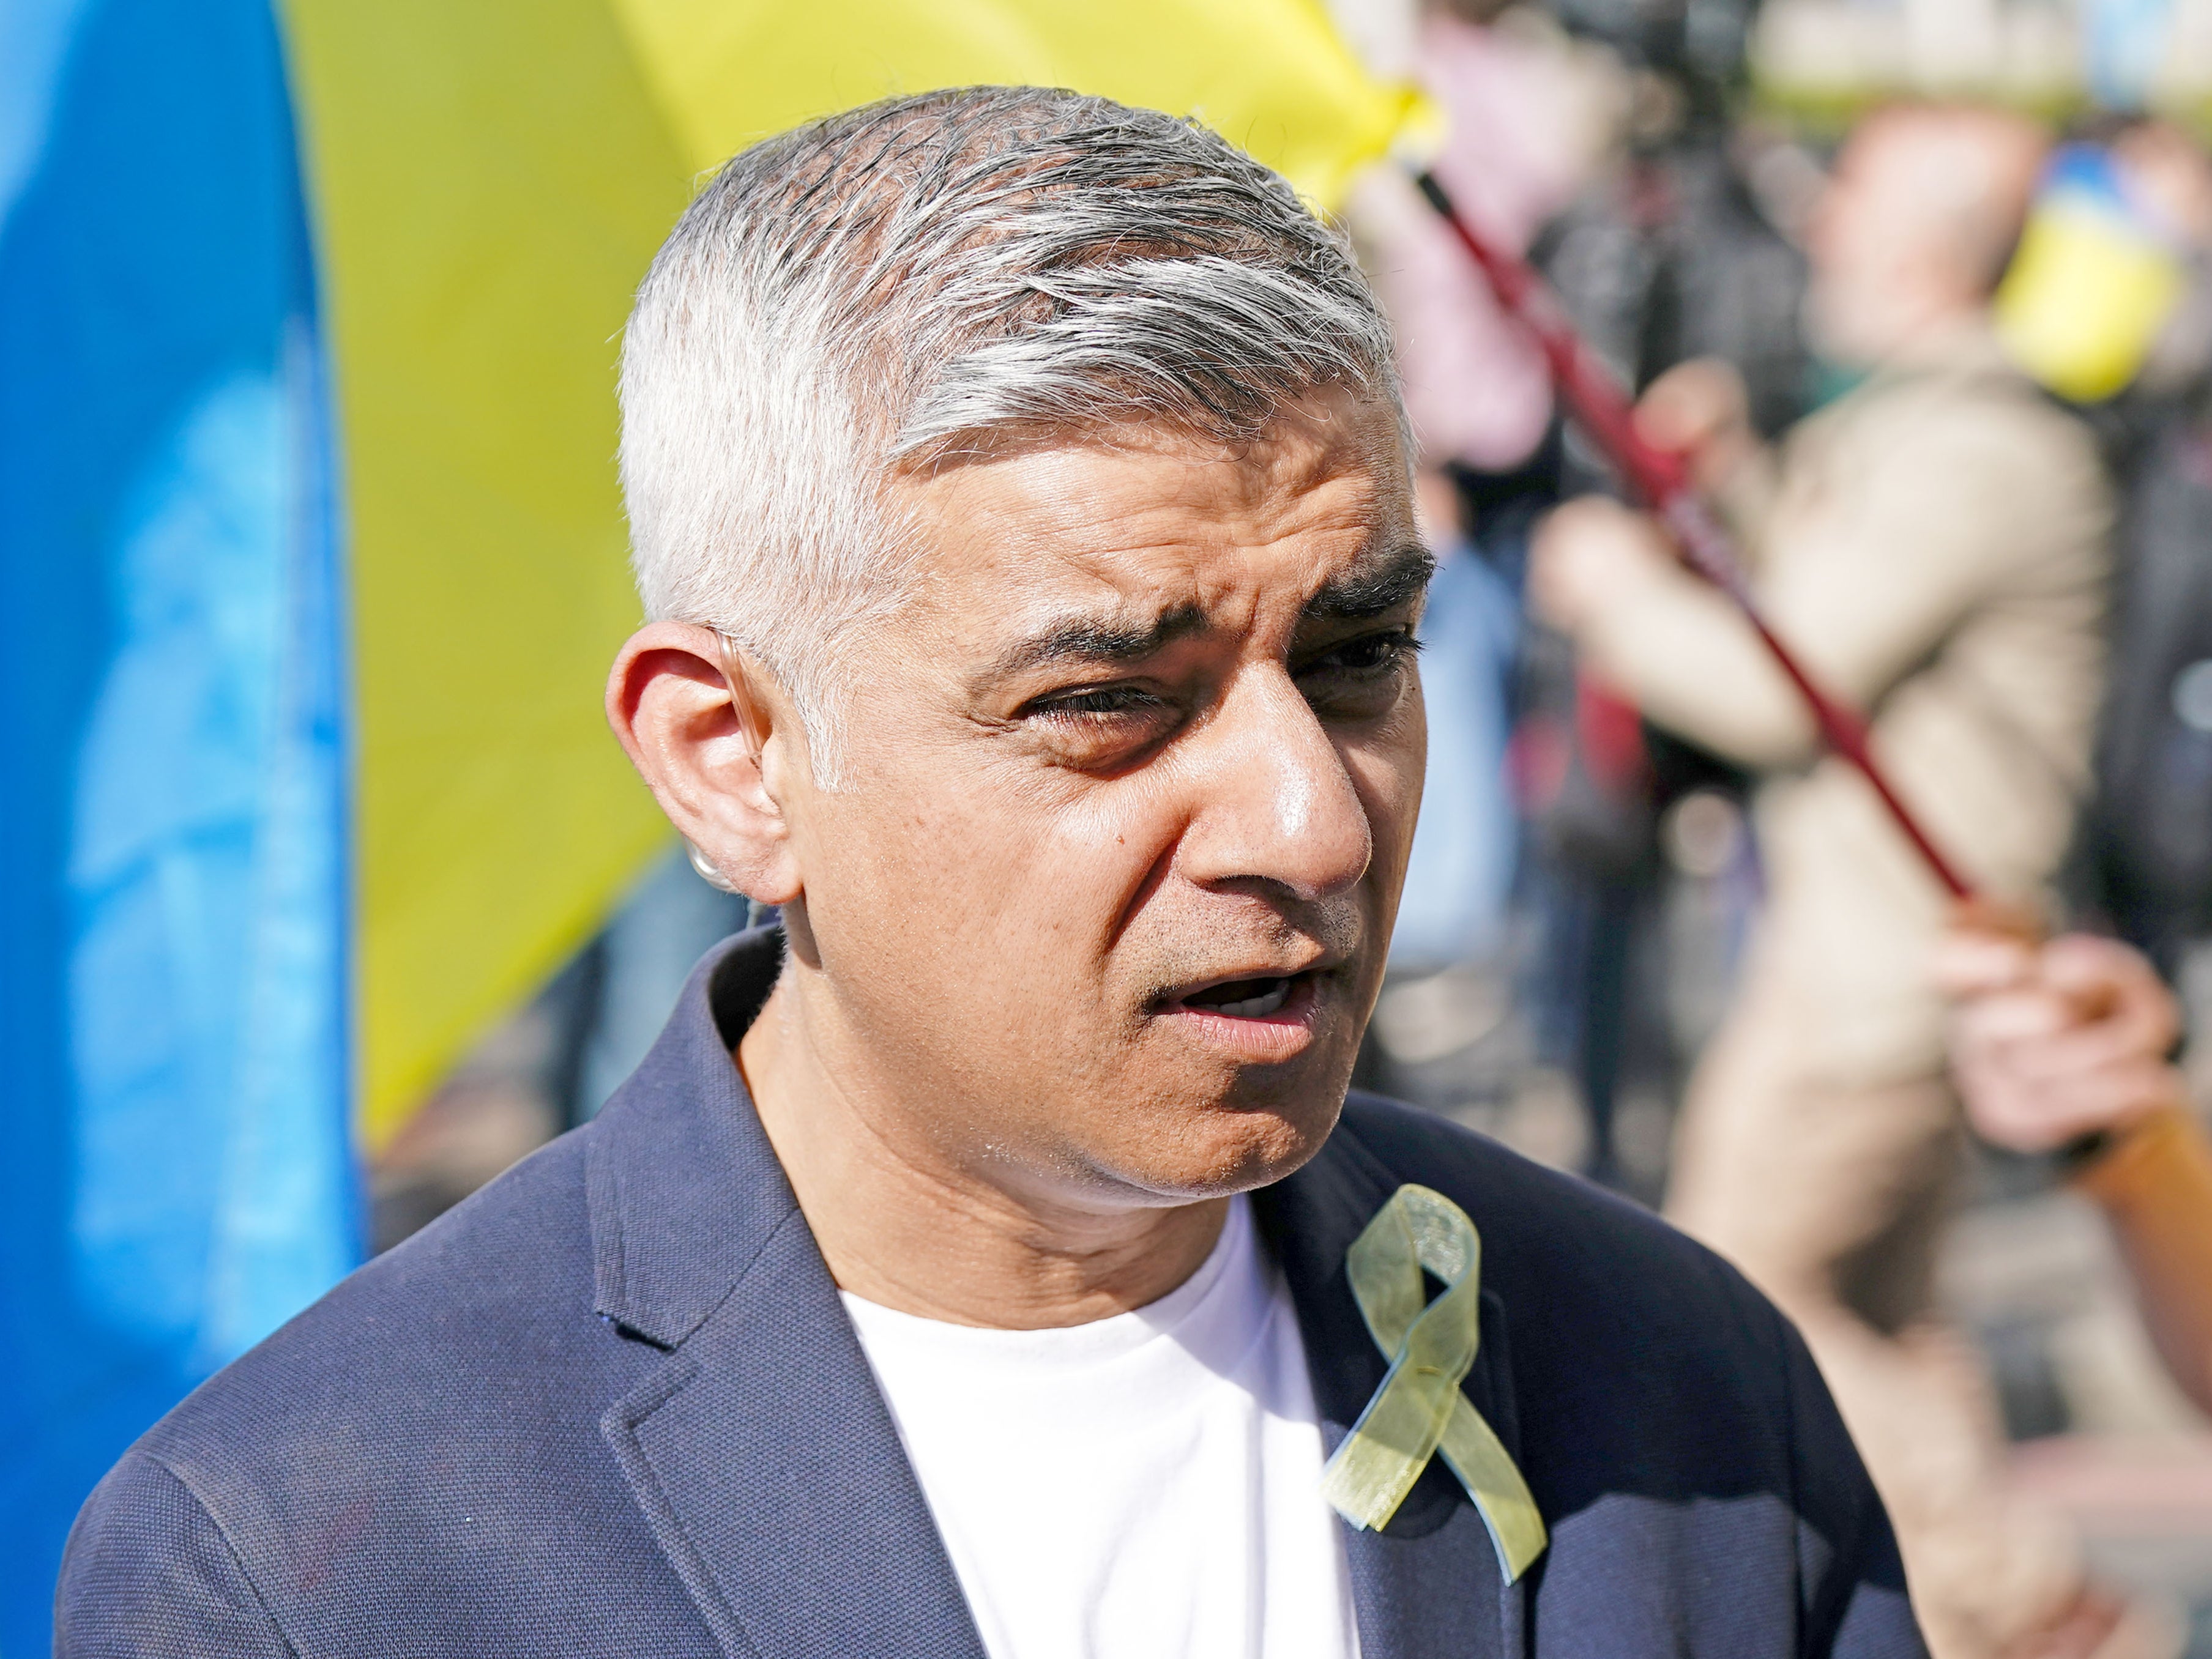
1584,151
1683,247
1532,115
2147,836
2065,1047
1936,544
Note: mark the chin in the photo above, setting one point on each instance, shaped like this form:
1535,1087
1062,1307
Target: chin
1252,1136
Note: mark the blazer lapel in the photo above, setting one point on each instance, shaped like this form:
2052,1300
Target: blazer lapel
761,1453
1429,1584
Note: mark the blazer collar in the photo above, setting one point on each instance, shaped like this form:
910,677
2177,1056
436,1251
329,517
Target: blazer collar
825,1547
761,1452
683,1188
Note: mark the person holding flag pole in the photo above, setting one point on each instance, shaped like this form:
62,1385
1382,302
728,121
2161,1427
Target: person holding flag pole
1932,549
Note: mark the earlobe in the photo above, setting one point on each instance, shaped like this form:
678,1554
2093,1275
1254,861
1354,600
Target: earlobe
699,727
706,868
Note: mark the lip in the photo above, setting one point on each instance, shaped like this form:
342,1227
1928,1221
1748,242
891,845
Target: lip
1281,1034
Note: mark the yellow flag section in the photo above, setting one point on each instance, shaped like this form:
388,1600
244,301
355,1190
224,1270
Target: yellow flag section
491,177
489,180
1270,75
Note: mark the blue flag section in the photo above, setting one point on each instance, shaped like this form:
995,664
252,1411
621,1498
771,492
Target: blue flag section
175,1179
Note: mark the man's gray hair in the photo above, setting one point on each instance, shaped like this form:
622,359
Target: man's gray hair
933,278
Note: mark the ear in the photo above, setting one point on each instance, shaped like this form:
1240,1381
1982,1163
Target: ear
709,735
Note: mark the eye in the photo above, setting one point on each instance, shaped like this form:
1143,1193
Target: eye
1096,707
1370,654
1101,728
1372,650
1359,678
1107,699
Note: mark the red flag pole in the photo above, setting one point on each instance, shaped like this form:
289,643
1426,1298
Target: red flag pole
1597,402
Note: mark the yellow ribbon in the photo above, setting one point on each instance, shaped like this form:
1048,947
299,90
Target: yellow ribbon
1420,1411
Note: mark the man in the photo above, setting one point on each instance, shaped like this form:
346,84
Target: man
1934,545
1018,483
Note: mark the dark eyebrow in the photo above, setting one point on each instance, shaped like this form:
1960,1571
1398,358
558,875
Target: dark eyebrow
1098,639
1371,588
1374,586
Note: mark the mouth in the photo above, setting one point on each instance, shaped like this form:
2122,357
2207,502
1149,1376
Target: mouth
1260,1017
1243,999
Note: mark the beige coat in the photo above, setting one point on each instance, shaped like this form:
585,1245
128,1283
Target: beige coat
1935,546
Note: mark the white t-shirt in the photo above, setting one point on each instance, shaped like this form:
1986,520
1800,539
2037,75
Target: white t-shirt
1144,1487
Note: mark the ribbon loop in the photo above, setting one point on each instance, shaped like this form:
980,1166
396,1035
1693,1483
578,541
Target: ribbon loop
1419,1410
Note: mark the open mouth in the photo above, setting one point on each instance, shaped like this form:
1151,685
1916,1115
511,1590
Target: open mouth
1244,999
1270,997
1262,1019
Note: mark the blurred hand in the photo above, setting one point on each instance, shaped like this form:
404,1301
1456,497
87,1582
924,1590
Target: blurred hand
1585,553
2054,1042
1701,410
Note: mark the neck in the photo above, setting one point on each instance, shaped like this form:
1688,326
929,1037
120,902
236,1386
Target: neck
1872,327
1935,325
909,1218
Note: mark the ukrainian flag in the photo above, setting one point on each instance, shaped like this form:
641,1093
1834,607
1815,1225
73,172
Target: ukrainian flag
312,562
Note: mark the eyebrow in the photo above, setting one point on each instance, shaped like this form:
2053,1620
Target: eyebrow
1099,639
1374,586
1370,589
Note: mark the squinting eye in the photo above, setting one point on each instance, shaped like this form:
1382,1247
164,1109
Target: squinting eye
1368,654
1108,703
1361,679
1104,727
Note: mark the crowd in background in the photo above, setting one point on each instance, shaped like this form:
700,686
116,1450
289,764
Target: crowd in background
1649,932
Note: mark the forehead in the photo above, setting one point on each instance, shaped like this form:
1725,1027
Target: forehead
1139,516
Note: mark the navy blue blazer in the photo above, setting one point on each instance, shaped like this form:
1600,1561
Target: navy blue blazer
612,1405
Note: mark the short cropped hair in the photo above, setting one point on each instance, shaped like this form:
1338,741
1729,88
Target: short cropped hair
931,279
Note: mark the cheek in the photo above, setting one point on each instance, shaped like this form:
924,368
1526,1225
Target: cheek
1388,768
1014,885
1071,862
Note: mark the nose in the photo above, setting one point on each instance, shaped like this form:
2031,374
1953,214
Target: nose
1276,809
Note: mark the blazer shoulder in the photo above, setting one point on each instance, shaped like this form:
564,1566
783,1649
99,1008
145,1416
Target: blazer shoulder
496,1292
1602,1297
149,1572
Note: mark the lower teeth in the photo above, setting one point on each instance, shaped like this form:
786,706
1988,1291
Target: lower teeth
1253,1007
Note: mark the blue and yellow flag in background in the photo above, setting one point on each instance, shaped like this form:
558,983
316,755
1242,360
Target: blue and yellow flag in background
312,562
